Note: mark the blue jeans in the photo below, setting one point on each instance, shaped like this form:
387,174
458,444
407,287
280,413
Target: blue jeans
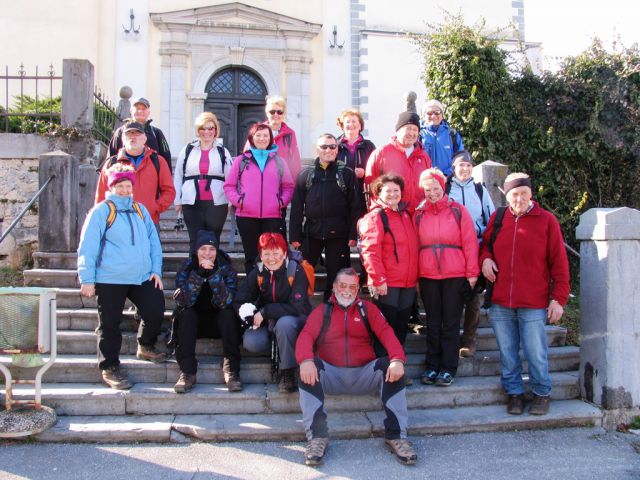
515,327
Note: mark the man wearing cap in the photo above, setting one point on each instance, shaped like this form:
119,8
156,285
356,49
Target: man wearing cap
403,156
206,285
439,139
527,264
476,199
140,112
154,185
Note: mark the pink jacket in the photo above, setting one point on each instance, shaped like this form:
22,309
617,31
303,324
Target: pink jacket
259,194
448,243
392,158
379,250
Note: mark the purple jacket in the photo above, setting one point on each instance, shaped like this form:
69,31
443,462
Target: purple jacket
259,194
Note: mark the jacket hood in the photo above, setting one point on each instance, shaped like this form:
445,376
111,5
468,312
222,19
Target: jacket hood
121,202
434,207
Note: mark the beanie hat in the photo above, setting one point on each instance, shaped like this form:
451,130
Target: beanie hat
407,118
117,177
205,237
462,156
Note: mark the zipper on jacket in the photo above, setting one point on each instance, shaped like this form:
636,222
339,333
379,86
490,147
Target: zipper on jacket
261,189
513,257
346,338
273,286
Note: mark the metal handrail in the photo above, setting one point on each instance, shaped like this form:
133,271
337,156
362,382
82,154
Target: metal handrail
24,210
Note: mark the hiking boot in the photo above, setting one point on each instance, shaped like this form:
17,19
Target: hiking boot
402,449
116,379
184,383
539,405
429,377
468,351
444,379
515,404
150,354
287,382
315,450
232,379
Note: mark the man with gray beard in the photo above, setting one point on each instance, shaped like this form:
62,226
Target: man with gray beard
335,351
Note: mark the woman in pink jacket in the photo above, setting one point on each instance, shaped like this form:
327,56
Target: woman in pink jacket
389,246
448,269
259,185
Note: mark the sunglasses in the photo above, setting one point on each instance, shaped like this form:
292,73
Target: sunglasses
208,129
434,112
328,147
273,112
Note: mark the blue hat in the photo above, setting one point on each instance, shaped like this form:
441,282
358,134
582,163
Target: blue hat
205,237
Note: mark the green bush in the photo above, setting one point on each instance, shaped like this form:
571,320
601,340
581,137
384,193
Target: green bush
576,131
31,123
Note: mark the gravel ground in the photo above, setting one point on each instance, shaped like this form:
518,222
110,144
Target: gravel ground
566,454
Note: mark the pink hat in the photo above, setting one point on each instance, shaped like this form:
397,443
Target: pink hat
116,177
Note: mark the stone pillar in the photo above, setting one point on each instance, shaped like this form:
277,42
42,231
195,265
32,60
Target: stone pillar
58,204
492,175
124,105
196,102
609,306
77,93
88,182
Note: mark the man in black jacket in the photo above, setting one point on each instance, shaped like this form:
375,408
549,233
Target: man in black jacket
140,112
326,199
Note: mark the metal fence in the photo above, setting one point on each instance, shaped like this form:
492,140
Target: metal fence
33,106
105,118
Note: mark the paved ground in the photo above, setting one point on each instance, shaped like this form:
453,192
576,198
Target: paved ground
566,454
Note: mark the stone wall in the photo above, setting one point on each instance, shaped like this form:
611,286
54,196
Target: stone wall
19,159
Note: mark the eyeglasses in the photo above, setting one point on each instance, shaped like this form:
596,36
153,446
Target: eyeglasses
352,287
273,112
208,129
328,147
434,113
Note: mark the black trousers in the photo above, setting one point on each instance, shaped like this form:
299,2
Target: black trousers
194,324
337,256
149,301
204,215
250,230
397,308
443,304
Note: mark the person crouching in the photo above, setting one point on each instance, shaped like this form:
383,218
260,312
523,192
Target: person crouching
205,287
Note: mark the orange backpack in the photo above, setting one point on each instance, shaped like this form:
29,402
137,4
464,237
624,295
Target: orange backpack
308,269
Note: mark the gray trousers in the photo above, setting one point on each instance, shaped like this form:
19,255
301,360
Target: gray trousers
286,331
365,380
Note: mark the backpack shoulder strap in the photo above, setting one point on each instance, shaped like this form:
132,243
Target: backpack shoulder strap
291,271
497,226
385,226
365,318
456,213
310,175
187,152
223,157
244,163
453,135
340,176
113,213
138,210
327,310
447,186
156,164
480,193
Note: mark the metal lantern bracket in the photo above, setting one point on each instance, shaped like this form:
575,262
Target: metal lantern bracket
131,25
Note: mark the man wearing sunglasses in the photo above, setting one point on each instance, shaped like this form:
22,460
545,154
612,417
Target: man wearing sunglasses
336,357
440,140
325,209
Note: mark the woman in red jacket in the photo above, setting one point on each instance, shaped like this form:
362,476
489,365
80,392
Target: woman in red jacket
448,267
389,247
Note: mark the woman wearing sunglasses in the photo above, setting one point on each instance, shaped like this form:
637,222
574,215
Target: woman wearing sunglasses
283,135
199,178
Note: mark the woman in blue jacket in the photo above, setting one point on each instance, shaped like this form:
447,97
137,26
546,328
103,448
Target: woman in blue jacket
439,140
120,257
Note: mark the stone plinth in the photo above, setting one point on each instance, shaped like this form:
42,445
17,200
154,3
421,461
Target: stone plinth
492,175
58,204
609,305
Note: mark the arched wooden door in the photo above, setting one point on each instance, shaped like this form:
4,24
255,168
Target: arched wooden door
237,96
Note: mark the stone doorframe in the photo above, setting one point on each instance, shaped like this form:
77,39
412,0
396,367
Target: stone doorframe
196,43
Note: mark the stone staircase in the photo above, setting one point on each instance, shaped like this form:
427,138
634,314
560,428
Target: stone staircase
91,412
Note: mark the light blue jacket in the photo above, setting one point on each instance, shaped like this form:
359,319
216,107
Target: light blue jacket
465,194
132,250
437,143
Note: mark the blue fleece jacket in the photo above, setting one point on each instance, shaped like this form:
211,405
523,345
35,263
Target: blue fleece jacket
437,143
132,250
465,194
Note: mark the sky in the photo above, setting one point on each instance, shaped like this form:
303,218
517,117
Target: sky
565,27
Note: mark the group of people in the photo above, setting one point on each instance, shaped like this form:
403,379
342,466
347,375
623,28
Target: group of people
411,207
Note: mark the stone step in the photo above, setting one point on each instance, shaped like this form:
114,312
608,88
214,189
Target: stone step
84,368
287,426
158,399
84,342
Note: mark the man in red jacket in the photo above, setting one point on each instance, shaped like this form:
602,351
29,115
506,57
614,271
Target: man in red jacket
528,265
336,356
154,186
